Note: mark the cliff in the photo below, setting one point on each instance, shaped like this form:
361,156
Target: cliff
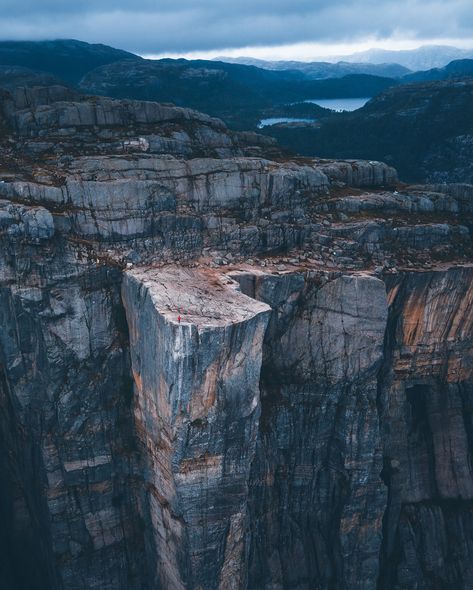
222,368
196,407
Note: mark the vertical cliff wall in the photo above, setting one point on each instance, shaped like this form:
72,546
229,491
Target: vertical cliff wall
363,470
426,395
196,348
316,497
27,560
69,460
311,431
305,425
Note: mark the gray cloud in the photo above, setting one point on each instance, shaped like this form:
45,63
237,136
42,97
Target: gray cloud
153,26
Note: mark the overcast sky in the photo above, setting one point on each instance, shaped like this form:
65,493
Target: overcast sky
264,28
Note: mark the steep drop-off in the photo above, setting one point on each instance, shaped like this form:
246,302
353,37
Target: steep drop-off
222,369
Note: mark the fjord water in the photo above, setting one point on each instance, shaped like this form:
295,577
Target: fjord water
276,120
333,104
340,104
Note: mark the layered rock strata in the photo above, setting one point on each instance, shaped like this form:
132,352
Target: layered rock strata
307,422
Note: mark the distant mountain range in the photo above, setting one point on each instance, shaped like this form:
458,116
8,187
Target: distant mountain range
67,59
422,58
240,94
320,70
377,62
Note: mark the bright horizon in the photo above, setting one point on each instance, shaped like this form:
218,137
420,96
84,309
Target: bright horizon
307,52
280,29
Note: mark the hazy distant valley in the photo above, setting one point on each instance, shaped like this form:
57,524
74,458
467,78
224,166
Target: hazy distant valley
246,95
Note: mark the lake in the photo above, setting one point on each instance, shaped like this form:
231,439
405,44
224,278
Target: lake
340,104
276,120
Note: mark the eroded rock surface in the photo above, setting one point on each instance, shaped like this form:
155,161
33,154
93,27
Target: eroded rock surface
426,393
316,497
197,406
307,421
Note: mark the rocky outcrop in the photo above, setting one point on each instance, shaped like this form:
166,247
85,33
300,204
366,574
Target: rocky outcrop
224,371
197,405
176,203
56,120
356,173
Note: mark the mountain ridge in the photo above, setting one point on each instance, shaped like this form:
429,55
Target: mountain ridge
68,59
319,70
421,58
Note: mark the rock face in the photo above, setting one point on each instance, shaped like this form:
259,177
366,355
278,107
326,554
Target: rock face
426,393
197,406
69,465
223,371
316,497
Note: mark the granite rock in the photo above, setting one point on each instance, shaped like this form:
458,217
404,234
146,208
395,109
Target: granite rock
306,423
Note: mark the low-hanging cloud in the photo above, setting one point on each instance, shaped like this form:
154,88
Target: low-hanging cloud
157,26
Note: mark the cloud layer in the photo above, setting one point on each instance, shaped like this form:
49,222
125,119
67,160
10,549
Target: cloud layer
158,26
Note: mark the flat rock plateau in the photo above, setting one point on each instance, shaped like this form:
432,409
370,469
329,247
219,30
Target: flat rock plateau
224,368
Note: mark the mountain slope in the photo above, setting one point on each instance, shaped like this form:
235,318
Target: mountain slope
239,94
15,76
425,130
66,58
455,69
